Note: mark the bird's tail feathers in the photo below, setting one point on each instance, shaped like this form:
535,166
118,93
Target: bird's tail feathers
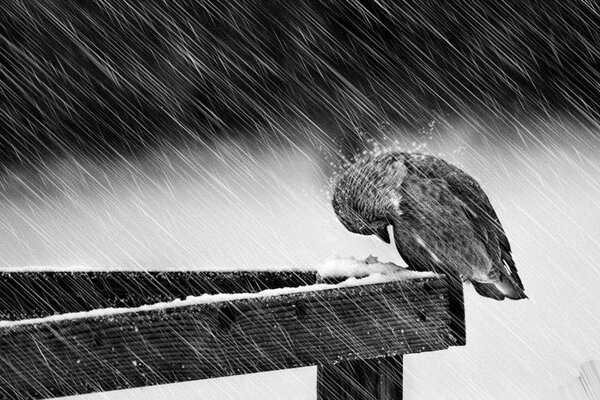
511,270
504,287
488,290
511,287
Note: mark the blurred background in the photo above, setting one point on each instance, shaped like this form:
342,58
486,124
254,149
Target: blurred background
205,135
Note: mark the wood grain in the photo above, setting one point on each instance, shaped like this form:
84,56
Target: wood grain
39,294
212,340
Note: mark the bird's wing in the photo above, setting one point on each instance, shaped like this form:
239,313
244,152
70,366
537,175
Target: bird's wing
476,205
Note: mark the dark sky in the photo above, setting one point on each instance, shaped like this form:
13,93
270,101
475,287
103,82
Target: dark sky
106,78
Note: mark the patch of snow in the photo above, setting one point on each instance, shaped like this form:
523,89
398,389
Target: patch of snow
337,266
84,268
359,272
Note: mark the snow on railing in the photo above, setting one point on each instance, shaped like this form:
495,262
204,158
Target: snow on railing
348,316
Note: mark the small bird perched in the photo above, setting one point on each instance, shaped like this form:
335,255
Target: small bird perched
442,220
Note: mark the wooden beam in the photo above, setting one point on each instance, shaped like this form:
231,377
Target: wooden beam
218,339
39,294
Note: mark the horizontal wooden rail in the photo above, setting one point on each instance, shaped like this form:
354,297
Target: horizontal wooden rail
318,327
39,294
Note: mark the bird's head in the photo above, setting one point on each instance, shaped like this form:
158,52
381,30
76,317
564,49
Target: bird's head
366,196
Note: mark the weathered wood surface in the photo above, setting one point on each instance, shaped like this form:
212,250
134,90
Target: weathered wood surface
211,340
375,379
39,294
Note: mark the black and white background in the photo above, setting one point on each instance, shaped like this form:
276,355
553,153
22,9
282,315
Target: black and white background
204,134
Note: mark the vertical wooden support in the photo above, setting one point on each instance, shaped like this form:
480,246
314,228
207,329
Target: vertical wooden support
375,379
456,300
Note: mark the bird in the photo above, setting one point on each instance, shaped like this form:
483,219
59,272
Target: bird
441,219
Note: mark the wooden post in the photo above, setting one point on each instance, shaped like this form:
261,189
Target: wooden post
375,379
456,302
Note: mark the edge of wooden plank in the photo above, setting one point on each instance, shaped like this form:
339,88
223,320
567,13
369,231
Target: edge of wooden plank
38,294
220,339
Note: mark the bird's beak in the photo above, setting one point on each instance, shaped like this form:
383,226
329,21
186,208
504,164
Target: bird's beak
383,234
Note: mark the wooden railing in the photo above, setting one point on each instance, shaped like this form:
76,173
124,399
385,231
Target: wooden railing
355,334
